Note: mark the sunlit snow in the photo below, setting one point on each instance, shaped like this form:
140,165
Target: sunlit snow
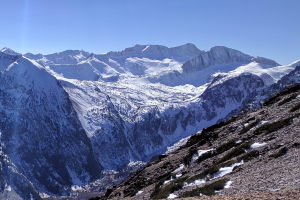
172,196
177,145
257,145
226,170
179,168
228,184
195,183
199,154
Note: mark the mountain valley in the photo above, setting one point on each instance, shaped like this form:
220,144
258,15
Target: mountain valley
76,123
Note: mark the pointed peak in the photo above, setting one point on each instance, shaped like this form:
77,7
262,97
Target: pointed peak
295,63
9,51
226,51
265,61
221,48
189,45
69,52
135,48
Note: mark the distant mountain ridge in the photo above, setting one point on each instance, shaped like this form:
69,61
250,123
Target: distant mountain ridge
222,55
83,114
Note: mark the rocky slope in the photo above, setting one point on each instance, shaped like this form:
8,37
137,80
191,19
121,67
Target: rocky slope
253,155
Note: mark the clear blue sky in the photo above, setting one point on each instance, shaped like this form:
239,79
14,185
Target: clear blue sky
269,28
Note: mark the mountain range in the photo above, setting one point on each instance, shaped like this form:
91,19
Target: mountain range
69,118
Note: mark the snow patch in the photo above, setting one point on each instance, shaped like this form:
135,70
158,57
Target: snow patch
145,48
194,183
257,145
172,196
228,184
7,188
239,141
76,188
139,192
168,181
178,175
259,124
136,163
179,168
177,145
226,170
199,154
44,195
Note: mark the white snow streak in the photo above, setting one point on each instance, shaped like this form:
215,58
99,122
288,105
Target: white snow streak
226,170
172,196
257,145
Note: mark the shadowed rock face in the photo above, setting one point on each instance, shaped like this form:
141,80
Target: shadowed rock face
40,131
181,53
216,55
222,55
12,179
7,59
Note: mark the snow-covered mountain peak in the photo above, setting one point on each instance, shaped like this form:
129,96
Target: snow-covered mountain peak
265,61
180,53
188,46
135,51
137,48
67,57
172,66
26,62
222,52
220,55
9,51
29,73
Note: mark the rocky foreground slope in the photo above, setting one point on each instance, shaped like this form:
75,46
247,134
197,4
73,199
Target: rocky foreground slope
254,155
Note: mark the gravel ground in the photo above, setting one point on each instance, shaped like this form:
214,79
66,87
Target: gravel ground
279,195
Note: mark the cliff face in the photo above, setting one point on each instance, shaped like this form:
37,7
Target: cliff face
256,152
42,141
220,55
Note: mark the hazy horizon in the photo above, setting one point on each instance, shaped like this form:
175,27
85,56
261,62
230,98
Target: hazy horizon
267,28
